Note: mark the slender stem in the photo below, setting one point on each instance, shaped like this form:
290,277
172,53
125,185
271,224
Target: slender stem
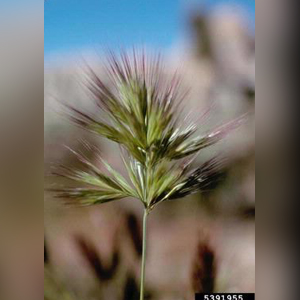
144,254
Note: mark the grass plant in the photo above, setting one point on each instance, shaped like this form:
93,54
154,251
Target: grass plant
141,111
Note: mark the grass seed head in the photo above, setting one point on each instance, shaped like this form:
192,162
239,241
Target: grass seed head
142,109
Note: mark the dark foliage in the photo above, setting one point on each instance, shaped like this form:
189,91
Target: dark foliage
92,257
204,269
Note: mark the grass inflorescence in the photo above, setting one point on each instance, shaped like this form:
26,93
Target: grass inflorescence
141,111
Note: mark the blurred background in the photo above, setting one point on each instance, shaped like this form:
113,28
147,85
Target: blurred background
198,244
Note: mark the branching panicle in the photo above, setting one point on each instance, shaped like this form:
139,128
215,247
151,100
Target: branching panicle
142,114
142,108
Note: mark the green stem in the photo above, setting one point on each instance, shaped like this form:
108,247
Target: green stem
144,254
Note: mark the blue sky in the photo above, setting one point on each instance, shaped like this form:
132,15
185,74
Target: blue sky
71,25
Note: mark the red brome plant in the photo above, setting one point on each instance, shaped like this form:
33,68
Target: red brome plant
142,109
